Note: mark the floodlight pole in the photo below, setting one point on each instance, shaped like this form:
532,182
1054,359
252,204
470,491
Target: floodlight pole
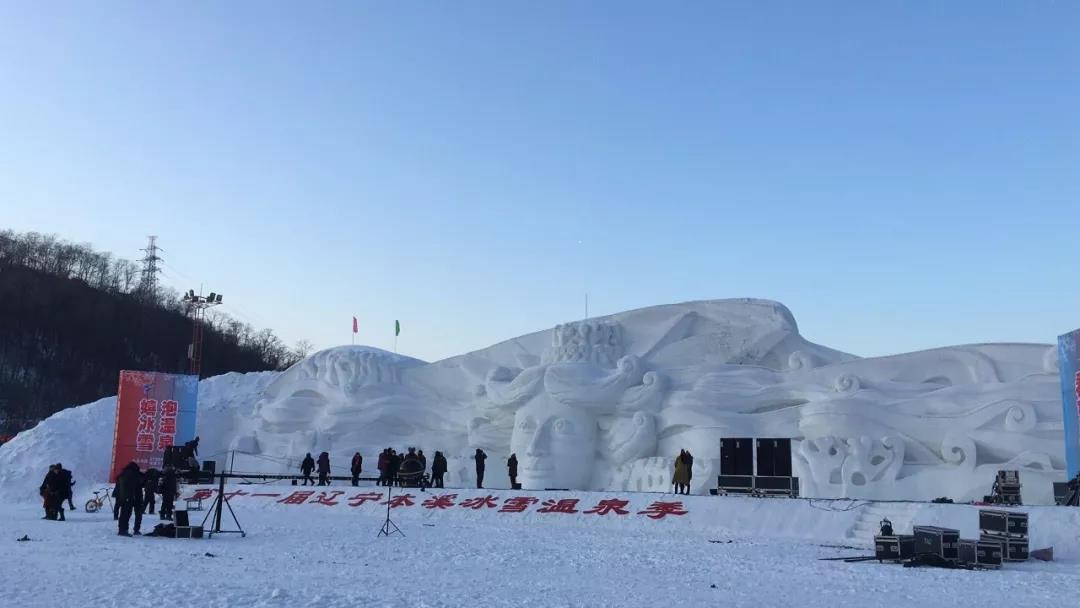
198,305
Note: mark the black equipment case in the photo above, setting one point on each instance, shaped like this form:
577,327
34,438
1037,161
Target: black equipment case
943,542
1003,523
895,548
189,532
1013,549
737,456
735,484
779,486
985,553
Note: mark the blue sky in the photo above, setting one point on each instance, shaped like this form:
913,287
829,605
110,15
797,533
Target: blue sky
902,175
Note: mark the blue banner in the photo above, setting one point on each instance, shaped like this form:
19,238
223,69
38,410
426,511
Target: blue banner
1069,363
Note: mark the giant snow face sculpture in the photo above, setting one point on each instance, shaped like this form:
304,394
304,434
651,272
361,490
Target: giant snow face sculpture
555,445
583,411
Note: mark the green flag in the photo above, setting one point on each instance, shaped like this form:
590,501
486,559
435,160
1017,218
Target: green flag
397,328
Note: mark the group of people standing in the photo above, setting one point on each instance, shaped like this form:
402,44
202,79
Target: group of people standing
55,489
399,468
309,465
409,468
135,492
684,472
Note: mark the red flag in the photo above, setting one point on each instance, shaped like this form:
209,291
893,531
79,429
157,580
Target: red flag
355,327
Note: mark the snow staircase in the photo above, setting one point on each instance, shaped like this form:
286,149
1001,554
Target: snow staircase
868,524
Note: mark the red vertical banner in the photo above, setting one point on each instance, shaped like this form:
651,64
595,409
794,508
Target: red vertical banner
153,412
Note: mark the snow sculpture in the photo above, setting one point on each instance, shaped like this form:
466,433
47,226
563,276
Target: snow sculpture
584,407
606,403
340,399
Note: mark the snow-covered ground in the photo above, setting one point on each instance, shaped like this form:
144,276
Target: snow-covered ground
723,551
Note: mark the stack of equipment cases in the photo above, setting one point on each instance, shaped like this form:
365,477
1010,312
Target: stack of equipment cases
1007,488
189,532
736,466
183,527
942,542
894,548
1008,529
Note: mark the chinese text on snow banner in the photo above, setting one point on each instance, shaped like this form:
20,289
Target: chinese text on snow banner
153,411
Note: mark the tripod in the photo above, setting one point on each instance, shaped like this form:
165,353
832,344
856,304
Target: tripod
216,510
389,527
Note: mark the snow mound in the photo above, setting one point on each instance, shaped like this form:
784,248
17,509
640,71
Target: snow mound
80,438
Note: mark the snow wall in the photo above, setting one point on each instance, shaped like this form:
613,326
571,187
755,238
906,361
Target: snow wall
605,404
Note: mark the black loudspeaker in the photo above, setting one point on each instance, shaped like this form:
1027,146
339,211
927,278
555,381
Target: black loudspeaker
774,457
208,468
180,518
737,456
1061,490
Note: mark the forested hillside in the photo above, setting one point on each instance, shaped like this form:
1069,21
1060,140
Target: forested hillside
72,318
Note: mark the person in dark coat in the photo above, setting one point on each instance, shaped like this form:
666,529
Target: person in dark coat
324,469
67,483
438,469
307,467
356,468
393,465
167,485
681,479
115,503
150,487
689,458
59,488
511,465
48,500
130,494
384,457
423,459
480,458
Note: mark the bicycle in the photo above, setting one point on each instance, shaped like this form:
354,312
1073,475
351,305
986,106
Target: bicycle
100,498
